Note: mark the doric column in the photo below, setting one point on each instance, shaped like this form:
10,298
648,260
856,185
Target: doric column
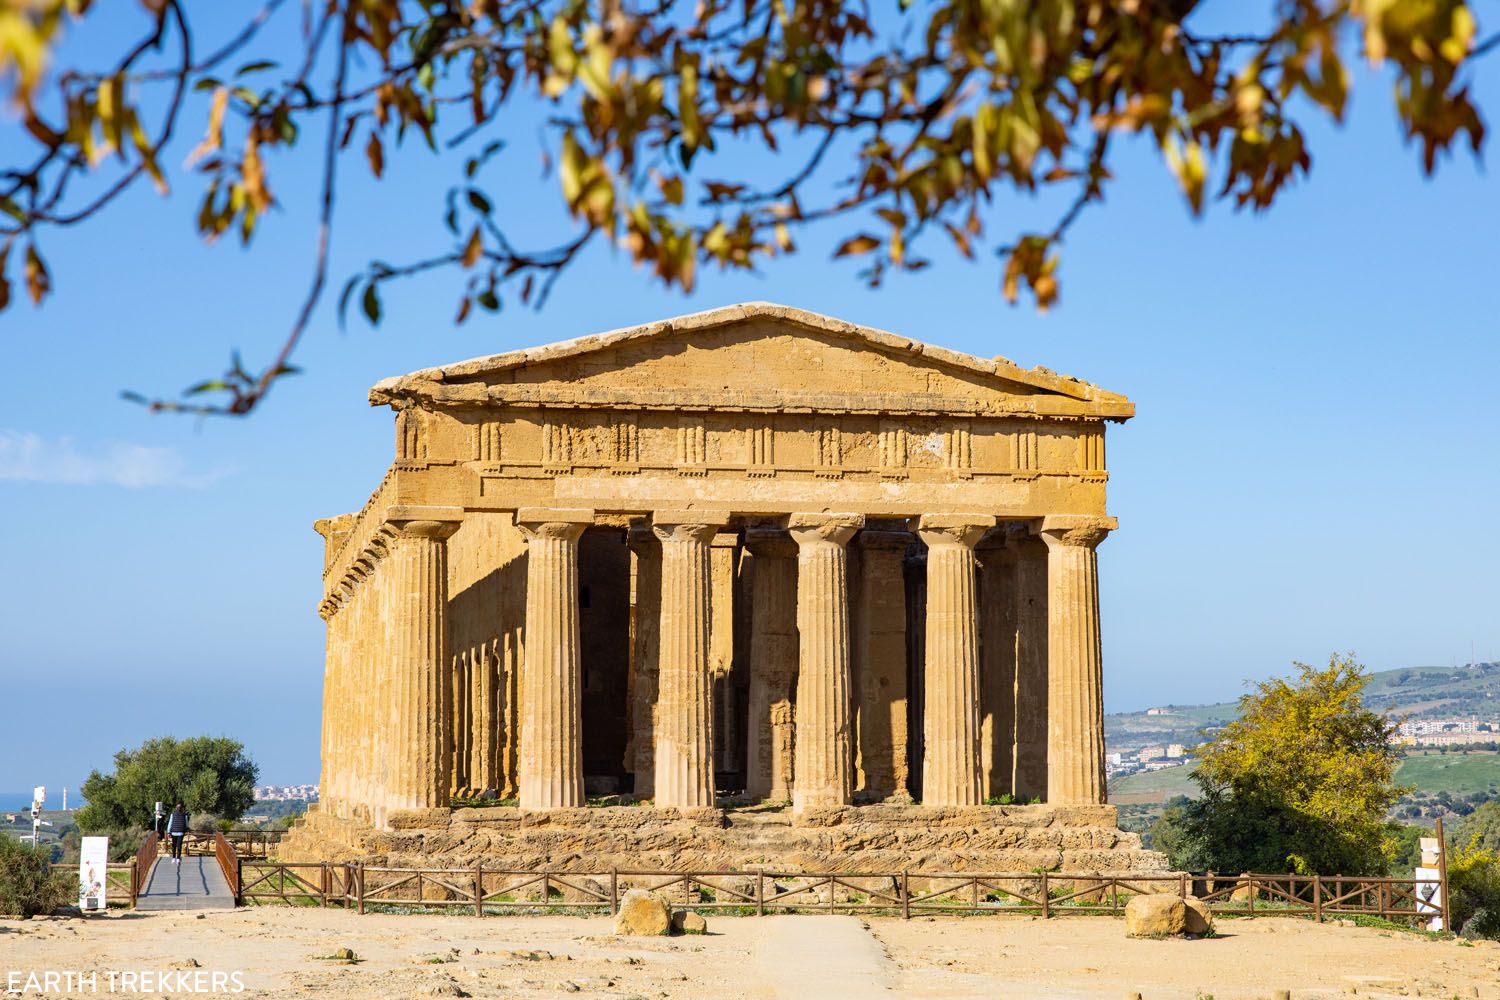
824,752
722,554
879,664
1029,770
418,655
551,751
1075,699
684,720
950,772
644,656
773,663
330,783
997,664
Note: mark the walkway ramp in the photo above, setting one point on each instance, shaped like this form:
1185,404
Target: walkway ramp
196,884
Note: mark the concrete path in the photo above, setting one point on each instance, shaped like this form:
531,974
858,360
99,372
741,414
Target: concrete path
196,884
832,958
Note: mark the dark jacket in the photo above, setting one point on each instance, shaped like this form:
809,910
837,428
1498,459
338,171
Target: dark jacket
177,822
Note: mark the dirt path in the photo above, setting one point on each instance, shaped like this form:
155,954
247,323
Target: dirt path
837,955
276,953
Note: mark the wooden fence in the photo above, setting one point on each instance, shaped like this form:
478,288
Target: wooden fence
483,891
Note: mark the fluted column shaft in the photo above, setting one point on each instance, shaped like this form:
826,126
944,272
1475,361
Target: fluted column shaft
333,709
551,750
824,769
997,665
644,660
950,770
1029,770
376,746
1075,702
723,557
684,722
773,663
418,657
879,665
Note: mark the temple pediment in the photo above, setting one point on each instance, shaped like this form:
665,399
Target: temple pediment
753,357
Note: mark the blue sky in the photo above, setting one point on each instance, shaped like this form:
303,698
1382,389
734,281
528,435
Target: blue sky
1313,466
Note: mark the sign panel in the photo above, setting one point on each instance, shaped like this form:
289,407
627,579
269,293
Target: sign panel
1430,897
93,864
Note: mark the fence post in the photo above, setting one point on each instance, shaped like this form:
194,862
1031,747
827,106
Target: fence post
323,884
1252,893
1318,898
1182,885
1442,876
361,887
132,883
614,890
760,893
239,881
905,897
1046,898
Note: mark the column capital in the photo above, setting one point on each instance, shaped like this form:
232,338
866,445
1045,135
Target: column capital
1075,530
954,529
418,521
552,522
770,543
435,531
809,529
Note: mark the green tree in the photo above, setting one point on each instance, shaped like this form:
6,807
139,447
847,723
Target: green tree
897,125
1481,828
1302,781
207,774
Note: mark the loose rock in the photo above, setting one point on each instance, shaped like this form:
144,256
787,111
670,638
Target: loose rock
1200,918
643,913
688,922
1157,914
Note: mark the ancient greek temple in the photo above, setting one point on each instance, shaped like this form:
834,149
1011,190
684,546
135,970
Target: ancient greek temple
748,554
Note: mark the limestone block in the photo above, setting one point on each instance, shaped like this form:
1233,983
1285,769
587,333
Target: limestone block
1200,918
1157,914
643,914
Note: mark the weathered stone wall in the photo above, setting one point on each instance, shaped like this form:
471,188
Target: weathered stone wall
877,838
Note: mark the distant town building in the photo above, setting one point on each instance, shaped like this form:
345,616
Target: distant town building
286,793
1153,752
1175,750
1160,711
1449,732
1434,727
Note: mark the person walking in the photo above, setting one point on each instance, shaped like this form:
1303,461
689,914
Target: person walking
177,828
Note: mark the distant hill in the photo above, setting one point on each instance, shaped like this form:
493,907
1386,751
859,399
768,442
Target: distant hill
1414,691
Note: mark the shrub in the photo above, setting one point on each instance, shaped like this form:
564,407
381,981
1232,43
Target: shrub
1474,892
28,885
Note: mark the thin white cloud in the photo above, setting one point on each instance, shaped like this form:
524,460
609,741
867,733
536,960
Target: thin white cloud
28,457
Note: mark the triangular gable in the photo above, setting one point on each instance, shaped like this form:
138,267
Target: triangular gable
998,374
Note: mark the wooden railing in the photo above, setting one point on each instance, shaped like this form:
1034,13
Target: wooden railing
144,859
246,843
229,863
486,890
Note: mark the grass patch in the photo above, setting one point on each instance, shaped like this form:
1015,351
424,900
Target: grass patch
485,803
1454,773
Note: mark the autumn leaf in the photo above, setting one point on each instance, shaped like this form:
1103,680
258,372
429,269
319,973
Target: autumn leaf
857,245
